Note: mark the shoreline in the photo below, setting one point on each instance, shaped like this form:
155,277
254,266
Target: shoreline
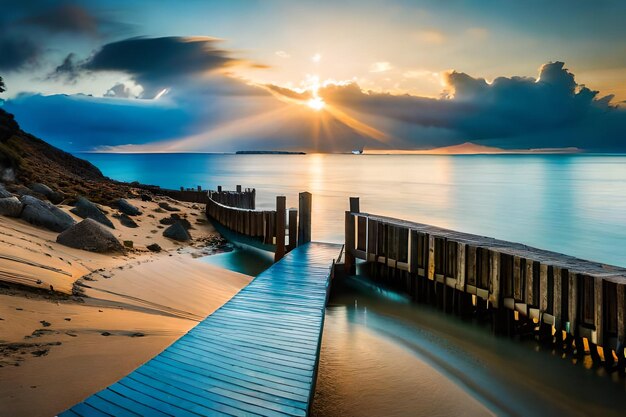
108,313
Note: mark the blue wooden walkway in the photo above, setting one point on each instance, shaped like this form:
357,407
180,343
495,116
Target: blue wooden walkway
256,355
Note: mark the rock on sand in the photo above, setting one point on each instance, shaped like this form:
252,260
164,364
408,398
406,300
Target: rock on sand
177,232
127,208
90,235
48,192
88,210
43,213
10,206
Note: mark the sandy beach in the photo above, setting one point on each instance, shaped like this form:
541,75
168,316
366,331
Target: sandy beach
108,313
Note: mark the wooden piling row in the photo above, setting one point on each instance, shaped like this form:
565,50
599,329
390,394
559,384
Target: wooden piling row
568,297
235,211
244,199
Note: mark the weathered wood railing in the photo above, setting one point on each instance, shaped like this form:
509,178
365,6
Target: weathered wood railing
570,298
235,211
244,199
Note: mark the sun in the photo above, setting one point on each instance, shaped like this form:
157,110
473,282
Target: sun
316,103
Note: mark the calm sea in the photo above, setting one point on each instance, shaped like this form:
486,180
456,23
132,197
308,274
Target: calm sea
385,356
574,204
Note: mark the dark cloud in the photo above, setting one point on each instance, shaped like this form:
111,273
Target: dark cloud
550,111
515,113
17,53
67,71
65,18
25,35
155,63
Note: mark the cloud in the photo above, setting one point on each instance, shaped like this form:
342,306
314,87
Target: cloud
156,63
121,90
17,53
381,67
24,35
282,54
550,111
68,18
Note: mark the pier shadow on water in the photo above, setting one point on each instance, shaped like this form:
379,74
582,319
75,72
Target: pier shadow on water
383,354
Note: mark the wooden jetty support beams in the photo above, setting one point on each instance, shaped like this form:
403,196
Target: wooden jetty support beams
235,210
566,298
256,355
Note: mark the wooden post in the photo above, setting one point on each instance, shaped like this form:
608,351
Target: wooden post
349,262
304,227
219,188
354,205
281,214
293,229
239,188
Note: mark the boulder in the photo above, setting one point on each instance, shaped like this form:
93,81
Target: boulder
154,247
166,206
4,193
127,208
127,221
10,206
43,213
48,192
177,232
146,197
88,210
90,235
176,218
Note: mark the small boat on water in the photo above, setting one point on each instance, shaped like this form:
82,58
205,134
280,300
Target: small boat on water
357,151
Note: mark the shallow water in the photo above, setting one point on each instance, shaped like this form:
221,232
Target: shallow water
383,355
575,204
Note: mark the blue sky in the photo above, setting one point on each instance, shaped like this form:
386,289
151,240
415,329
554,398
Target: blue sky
317,76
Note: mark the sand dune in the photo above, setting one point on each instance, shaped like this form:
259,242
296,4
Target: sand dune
108,314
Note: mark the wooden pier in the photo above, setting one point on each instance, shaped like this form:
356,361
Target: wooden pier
268,229
257,355
573,302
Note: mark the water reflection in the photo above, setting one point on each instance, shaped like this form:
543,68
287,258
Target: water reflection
574,204
383,355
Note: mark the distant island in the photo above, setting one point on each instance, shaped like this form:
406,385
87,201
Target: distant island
269,153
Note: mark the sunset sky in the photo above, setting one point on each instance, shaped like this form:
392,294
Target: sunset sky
316,76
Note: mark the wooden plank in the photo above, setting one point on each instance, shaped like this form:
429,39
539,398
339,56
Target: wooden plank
517,278
543,288
293,229
361,242
529,266
599,310
304,227
471,266
460,266
556,296
621,314
572,311
430,267
354,205
494,279
349,260
281,218
372,239
257,355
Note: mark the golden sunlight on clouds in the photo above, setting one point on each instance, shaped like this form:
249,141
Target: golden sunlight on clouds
316,103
